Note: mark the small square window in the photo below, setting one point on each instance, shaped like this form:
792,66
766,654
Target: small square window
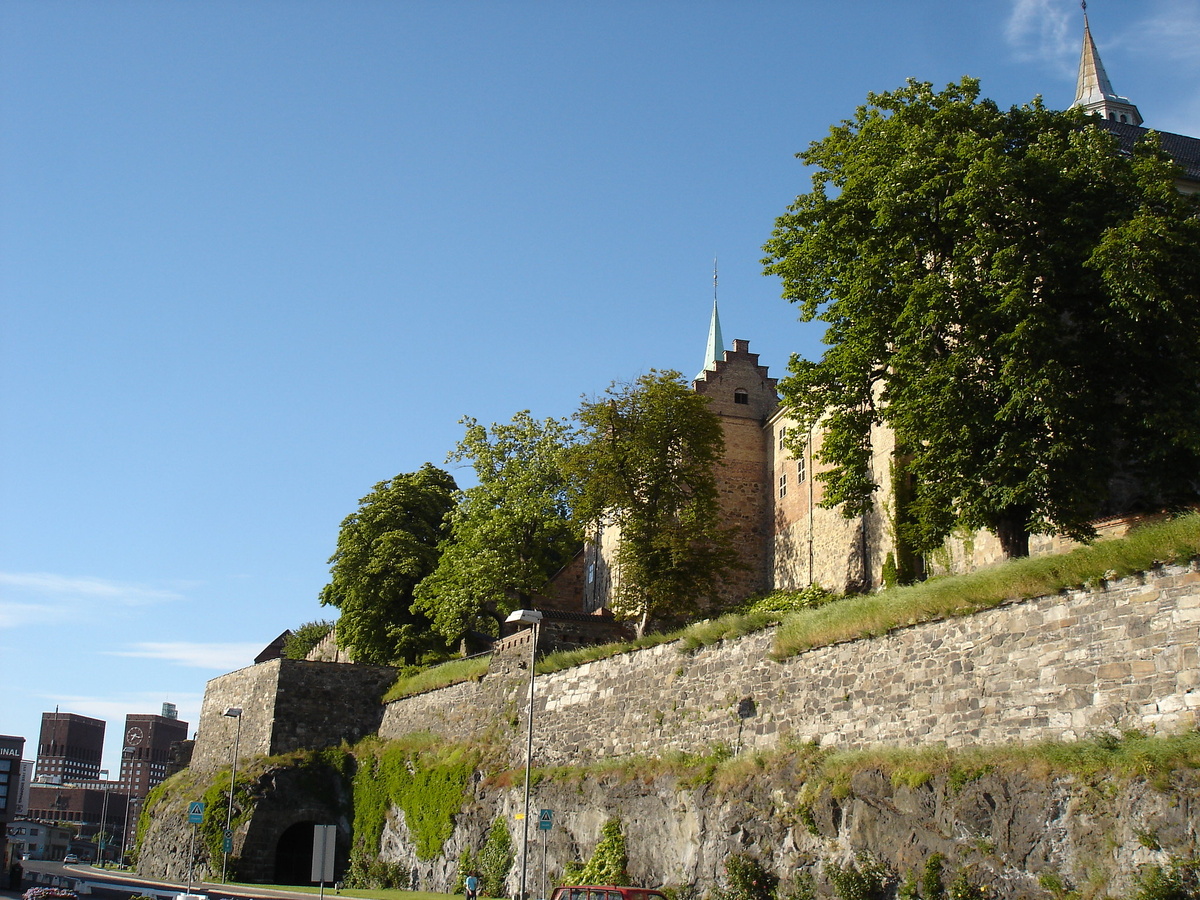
740,396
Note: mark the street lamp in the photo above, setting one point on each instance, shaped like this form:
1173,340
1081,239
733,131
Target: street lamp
234,712
103,822
532,618
128,754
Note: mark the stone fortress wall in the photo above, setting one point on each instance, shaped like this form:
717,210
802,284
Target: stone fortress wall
1057,667
289,704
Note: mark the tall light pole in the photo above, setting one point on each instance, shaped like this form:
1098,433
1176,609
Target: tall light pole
234,712
126,755
103,822
532,618
129,798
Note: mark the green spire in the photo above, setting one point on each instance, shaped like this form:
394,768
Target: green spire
715,351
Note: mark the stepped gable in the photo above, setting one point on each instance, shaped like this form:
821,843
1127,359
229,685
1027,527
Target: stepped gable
738,370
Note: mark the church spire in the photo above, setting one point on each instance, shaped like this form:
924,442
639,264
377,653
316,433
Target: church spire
1093,91
715,351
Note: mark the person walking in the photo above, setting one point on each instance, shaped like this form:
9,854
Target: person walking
472,886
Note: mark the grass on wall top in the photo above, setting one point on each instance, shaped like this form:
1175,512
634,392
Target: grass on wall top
870,615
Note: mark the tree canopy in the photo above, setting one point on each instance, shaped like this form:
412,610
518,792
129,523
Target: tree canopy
384,549
304,638
647,467
510,533
1017,300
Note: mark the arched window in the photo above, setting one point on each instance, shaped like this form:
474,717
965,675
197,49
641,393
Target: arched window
740,396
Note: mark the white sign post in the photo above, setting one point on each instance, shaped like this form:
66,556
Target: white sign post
324,845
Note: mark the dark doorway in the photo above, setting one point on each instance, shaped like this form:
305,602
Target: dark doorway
293,855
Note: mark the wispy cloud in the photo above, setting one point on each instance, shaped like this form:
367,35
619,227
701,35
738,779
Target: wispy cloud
14,614
221,657
86,587
1040,30
1172,31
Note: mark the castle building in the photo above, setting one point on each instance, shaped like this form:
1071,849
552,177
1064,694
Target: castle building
768,490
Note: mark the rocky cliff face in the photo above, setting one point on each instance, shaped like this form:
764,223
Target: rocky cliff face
1004,829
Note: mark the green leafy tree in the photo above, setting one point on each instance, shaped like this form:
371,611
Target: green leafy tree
300,642
647,467
383,551
1015,299
510,533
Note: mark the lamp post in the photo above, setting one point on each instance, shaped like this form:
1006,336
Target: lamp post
127,776
234,712
136,801
532,618
103,822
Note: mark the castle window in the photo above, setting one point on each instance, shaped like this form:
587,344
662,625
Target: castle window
801,474
783,433
783,484
740,396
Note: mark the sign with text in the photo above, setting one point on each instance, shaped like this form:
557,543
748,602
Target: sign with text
545,820
195,812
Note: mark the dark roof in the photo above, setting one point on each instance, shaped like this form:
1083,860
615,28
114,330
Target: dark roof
273,650
1183,149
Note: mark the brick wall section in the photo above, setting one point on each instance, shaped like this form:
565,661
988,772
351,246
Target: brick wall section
289,704
1056,667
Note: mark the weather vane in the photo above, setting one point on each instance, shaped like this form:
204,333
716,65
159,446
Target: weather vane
714,279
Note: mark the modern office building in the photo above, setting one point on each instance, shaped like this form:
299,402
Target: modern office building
11,750
69,749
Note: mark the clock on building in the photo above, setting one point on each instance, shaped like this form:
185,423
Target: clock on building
133,737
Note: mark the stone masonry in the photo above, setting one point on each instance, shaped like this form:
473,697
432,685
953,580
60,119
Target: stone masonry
1057,667
289,704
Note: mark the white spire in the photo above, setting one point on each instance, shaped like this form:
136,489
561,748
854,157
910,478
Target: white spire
1093,90
715,351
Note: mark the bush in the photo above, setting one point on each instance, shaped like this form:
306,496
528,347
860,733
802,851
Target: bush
746,879
495,859
1180,880
608,863
866,878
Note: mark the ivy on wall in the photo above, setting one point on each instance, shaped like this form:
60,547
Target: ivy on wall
427,782
609,860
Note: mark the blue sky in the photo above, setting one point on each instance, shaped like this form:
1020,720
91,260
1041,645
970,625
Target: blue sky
258,256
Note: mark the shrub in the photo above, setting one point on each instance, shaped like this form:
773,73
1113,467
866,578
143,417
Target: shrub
1180,880
609,859
496,859
746,879
865,878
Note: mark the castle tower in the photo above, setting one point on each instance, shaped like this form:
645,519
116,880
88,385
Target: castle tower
1094,92
743,396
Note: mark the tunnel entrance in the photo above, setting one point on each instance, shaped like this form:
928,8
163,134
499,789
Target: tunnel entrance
293,855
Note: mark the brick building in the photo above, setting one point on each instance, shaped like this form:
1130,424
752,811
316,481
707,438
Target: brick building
70,748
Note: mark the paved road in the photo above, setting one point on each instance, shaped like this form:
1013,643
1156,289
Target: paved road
103,884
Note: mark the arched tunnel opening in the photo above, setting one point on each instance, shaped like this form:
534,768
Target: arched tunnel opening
293,855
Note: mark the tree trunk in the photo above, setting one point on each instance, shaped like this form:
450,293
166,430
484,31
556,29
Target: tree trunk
1013,531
